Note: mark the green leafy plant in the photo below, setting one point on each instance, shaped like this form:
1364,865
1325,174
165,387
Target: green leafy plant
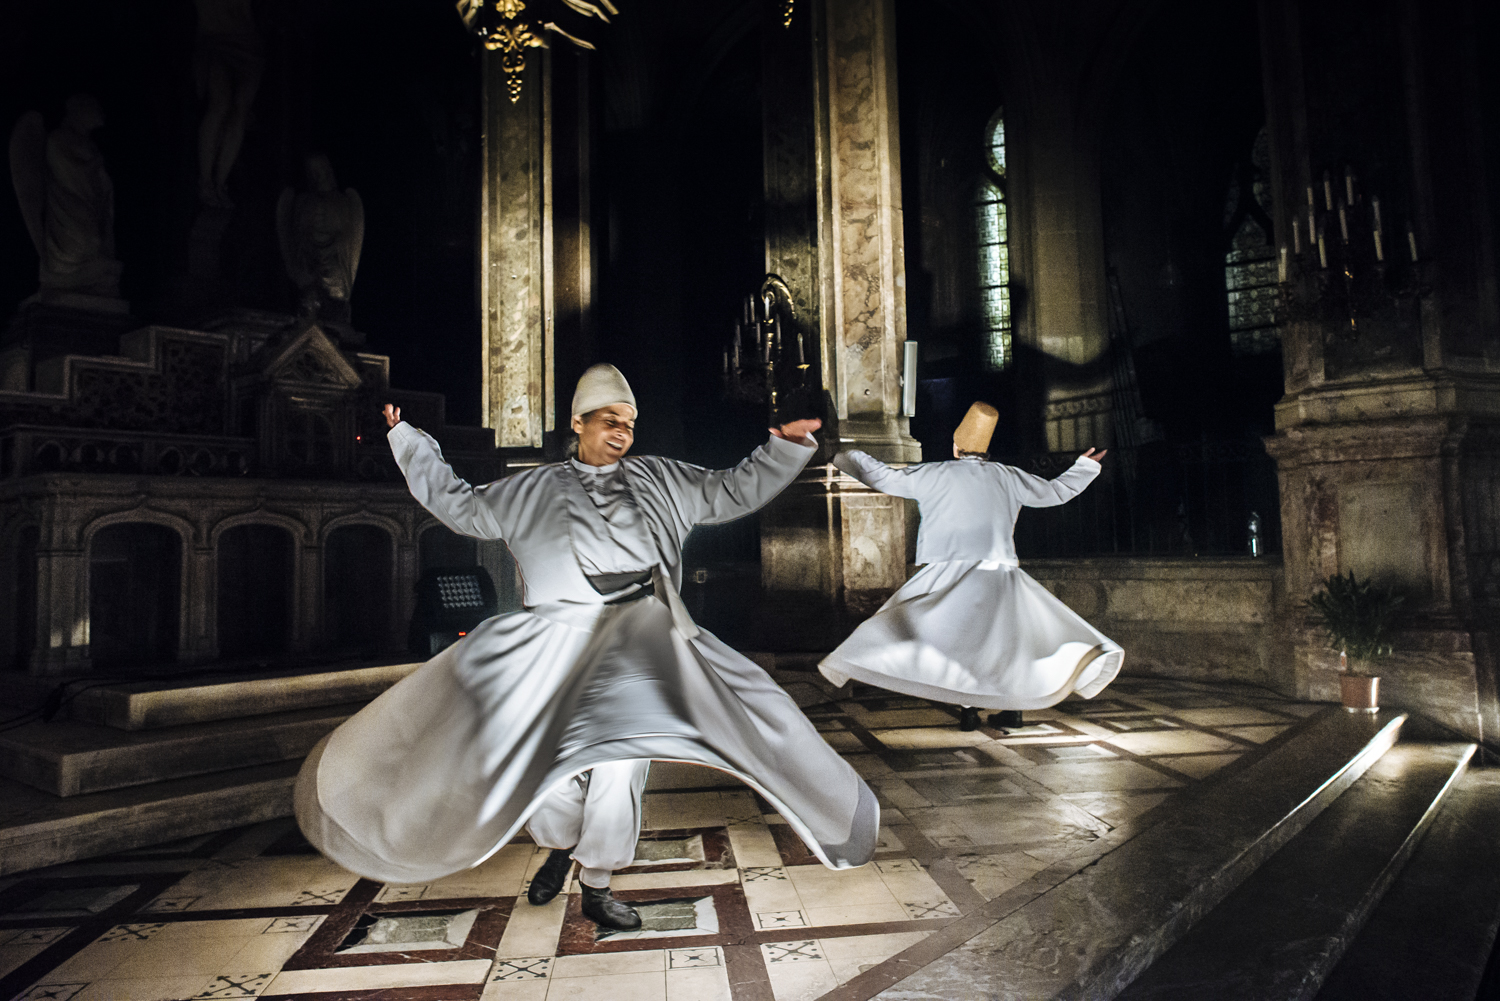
1358,614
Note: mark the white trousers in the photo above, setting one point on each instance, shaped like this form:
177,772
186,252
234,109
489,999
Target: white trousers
598,815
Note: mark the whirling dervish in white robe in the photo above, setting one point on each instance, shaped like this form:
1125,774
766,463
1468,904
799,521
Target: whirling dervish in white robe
446,766
971,627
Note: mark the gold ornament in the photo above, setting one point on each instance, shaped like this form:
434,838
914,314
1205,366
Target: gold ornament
511,37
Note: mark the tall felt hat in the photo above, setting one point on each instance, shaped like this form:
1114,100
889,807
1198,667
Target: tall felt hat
978,426
601,386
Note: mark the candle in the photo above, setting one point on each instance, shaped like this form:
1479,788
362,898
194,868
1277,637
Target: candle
726,363
1312,227
776,328
1344,223
1281,266
1411,241
1322,251
1296,235
1349,185
1378,226
1327,191
801,361
1379,250
1310,202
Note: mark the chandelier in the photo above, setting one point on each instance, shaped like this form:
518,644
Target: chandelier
510,27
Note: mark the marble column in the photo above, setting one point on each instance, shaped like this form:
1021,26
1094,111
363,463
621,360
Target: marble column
1388,437
515,256
832,550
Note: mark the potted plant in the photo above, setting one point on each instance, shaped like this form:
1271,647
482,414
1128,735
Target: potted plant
1359,616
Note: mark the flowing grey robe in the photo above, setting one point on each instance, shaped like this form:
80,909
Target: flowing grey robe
971,627
439,772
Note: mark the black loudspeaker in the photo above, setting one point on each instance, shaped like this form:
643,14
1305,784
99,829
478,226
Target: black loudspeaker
450,602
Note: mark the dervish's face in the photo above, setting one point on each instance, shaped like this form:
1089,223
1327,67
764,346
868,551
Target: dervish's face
605,435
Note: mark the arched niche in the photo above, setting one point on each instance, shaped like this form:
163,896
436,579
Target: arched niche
358,587
135,586
255,570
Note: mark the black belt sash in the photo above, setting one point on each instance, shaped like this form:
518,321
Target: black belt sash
622,587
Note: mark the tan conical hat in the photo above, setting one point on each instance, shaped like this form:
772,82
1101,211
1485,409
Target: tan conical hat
973,435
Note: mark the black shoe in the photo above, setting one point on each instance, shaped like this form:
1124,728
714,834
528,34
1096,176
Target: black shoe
551,877
1006,719
600,907
969,718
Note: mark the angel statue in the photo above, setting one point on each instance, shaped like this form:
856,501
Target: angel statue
321,231
67,199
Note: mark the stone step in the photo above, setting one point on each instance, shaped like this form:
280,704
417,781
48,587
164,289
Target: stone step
38,829
1101,928
1280,933
69,758
1435,928
148,705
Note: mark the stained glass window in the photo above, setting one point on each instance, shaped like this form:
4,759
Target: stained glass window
994,248
1250,263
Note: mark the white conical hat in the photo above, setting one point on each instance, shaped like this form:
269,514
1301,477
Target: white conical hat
601,386
973,435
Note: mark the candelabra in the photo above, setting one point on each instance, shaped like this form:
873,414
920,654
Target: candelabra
766,359
1345,270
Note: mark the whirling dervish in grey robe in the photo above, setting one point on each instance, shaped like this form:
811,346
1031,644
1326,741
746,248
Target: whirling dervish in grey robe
971,627
603,668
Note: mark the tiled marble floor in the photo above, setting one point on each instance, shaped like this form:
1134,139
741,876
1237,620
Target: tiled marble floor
735,907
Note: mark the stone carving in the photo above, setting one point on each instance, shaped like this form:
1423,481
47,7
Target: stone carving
311,367
184,395
228,60
67,199
321,232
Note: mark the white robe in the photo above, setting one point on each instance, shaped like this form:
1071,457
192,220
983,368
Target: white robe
971,627
441,770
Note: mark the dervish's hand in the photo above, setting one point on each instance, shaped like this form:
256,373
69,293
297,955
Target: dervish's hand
798,431
392,415
1097,458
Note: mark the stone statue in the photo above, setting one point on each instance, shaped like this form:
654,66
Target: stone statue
228,60
321,231
67,199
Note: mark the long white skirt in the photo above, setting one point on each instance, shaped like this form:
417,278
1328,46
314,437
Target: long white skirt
977,634
442,769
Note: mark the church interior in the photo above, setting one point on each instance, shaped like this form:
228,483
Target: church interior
1248,247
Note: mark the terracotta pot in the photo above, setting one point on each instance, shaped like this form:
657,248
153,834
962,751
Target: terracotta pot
1361,693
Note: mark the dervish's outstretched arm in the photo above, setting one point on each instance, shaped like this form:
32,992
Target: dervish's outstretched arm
714,496
1038,491
877,475
466,509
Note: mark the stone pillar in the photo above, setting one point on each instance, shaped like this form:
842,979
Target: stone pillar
197,637
831,550
515,257
62,642
1388,438
308,614
863,302
1056,190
